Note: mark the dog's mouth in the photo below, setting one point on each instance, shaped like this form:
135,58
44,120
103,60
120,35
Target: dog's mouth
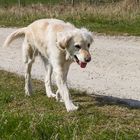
82,64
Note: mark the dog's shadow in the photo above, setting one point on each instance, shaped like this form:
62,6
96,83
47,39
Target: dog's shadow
88,101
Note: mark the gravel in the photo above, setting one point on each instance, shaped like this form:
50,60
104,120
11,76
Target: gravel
114,71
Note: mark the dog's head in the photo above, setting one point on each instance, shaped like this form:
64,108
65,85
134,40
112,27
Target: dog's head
76,43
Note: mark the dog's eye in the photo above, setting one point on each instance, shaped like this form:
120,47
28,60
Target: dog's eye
78,46
88,45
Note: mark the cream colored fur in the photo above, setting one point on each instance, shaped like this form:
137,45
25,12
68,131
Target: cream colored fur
57,43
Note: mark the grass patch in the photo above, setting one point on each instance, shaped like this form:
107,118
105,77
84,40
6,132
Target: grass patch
121,17
40,118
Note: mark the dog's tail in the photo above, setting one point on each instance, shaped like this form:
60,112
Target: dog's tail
16,34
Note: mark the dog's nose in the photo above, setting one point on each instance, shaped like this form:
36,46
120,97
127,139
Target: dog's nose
88,59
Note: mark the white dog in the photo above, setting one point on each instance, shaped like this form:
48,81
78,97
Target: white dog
59,44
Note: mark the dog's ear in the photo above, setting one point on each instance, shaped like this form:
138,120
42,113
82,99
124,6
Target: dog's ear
63,39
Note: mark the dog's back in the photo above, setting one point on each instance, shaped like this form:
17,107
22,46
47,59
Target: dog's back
37,30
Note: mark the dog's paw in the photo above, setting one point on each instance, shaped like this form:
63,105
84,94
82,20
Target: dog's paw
58,97
72,107
51,95
60,100
28,92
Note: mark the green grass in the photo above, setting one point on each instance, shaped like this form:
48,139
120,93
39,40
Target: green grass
27,2
40,118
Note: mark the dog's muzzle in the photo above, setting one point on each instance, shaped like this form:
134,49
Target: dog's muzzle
88,59
82,64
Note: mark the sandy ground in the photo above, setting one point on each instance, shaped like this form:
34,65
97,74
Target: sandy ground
113,72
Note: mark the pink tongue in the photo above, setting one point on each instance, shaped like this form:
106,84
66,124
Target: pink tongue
82,65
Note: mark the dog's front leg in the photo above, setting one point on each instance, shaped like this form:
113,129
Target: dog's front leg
48,75
63,90
65,73
48,84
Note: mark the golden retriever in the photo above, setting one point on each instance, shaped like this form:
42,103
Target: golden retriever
58,43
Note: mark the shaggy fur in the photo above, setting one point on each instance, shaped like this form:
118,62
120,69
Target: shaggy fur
59,44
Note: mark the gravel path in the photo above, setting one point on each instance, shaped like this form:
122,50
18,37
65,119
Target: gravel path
113,72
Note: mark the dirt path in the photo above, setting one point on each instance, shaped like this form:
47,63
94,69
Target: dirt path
114,70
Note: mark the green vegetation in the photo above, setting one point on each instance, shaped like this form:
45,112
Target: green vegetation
121,17
40,118
27,2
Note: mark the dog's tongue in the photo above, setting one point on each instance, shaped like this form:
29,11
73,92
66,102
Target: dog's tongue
82,64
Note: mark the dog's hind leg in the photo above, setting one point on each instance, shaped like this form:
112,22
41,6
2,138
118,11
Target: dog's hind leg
28,84
29,57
